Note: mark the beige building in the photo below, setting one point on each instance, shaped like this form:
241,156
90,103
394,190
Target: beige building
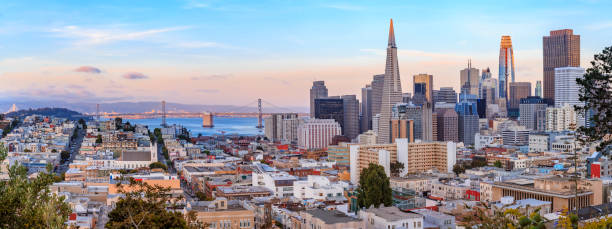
322,219
416,183
425,156
557,190
221,213
362,155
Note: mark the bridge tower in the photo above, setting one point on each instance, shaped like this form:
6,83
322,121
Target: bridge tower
163,124
259,117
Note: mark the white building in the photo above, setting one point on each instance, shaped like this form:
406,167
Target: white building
390,217
281,183
482,141
561,118
317,133
318,188
566,88
516,135
538,142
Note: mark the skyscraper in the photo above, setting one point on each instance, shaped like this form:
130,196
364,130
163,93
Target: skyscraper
532,109
538,88
351,116
469,79
423,88
518,91
447,125
560,49
408,111
486,74
392,90
506,67
330,108
318,90
317,133
566,87
445,94
488,90
378,83
366,108
468,118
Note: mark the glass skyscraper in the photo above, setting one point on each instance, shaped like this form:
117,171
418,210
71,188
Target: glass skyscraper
506,67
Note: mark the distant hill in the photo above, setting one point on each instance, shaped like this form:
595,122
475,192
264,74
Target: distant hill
52,112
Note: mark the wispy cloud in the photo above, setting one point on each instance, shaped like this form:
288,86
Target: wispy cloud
134,76
208,91
89,36
344,6
88,69
212,77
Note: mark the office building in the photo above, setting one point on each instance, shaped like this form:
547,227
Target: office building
506,67
538,88
351,116
515,136
366,109
317,133
561,118
402,128
518,91
392,90
330,108
469,80
406,98
318,90
445,94
378,83
560,49
339,154
533,109
488,90
408,111
423,88
428,122
447,124
468,118
566,88
486,74
274,126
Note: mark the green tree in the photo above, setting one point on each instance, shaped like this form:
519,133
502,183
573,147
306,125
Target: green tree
458,169
99,139
65,155
118,123
158,165
145,206
83,123
165,153
497,164
396,168
28,203
374,187
596,93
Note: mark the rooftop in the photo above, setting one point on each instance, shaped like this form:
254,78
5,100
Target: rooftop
331,217
392,213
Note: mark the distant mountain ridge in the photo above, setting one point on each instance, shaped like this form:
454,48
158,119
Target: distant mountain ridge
52,112
138,107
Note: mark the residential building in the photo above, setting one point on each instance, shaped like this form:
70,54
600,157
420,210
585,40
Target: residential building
390,217
274,126
561,118
434,219
322,219
567,90
317,133
424,156
318,188
222,213
560,49
340,154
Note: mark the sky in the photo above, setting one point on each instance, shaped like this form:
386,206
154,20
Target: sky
233,52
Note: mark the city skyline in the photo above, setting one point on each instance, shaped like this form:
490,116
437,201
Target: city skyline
194,52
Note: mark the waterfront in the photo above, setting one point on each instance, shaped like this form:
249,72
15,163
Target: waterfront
231,125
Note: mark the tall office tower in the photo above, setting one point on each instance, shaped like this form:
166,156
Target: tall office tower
409,111
518,91
529,109
318,90
330,108
378,83
402,128
566,88
392,90
406,97
506,67
366,108
469,79
486,74
351,116
445,94
468,118
274,125
560,49
447,125
423,87
317,133
427,122
488,90
538,88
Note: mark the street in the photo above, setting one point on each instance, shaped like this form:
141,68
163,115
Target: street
73,147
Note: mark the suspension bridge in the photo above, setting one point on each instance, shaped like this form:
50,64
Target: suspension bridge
207,117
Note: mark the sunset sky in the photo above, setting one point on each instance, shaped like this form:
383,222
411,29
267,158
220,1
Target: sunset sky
233,52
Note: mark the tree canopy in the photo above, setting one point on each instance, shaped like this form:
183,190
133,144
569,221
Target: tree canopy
28,203
374,187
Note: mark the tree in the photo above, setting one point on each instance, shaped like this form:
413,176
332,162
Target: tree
458,169
65,155
396,168
497,164
118,123
165,152
145,206
83,123
374,187
99,139
28,203
596,93
158,165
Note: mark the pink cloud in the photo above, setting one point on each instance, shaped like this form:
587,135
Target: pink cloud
134,76
88,69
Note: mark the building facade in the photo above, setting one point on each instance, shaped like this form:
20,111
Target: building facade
392,90
317,91
561,48
317,133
